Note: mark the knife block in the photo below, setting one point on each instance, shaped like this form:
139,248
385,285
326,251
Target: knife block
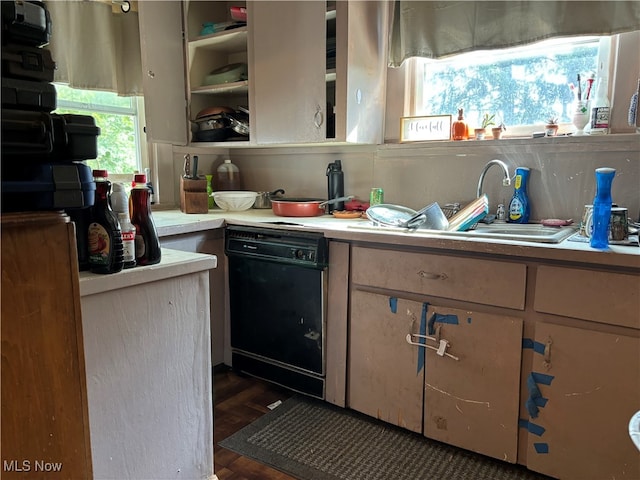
193,195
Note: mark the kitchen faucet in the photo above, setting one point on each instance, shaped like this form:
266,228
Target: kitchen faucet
506,181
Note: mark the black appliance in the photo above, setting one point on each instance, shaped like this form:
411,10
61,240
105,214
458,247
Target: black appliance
277,295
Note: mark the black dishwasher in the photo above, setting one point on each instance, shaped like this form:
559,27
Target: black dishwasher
277,299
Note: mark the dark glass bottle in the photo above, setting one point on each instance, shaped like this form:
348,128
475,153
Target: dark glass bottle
335,185
105,238
147,242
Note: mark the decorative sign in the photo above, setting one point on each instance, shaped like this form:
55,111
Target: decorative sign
433,127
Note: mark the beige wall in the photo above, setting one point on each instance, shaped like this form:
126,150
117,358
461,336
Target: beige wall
414,175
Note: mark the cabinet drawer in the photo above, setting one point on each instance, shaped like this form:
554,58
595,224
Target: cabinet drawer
603,297
487,282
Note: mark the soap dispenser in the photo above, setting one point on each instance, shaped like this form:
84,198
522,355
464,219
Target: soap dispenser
519,209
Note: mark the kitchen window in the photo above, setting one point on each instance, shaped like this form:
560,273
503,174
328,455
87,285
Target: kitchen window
522,86
120,143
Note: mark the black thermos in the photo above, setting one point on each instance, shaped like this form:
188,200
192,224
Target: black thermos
335,182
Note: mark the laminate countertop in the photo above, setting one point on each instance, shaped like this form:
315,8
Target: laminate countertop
174,222
173,263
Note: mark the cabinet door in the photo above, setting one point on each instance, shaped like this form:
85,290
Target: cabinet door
590,386
472,401
287,86
386,374
361,71
45,424
162,53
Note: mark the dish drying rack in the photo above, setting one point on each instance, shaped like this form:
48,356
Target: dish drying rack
450,209
475,210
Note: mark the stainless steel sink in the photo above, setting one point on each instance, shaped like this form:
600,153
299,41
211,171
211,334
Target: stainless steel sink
530,232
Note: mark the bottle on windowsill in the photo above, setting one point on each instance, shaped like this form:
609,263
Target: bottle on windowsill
600,109
459,128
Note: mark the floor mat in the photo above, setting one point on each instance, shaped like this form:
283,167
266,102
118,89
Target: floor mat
313,440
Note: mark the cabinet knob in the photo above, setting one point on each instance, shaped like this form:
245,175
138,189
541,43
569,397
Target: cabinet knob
318,118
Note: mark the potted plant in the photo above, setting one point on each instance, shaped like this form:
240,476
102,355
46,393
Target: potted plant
486,121
551,127
497,131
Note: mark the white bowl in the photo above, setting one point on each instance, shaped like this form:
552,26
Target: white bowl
234,201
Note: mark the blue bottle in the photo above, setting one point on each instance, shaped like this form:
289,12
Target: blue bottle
602,208
519,209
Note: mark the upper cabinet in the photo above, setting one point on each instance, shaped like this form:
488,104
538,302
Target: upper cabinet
217,64
162,54
316,70
287,79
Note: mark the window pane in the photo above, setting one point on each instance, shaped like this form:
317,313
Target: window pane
92,97
521,86
118,145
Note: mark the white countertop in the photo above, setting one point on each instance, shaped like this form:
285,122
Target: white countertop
174,222
173,263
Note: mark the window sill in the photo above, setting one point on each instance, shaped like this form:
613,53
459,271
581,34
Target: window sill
557,144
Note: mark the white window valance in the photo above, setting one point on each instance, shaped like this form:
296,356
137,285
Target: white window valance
95,46
434,30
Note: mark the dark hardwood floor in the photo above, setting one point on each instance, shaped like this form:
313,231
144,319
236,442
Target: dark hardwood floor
238,401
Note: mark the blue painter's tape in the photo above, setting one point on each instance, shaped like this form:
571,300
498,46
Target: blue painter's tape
393,304
441,318
540,401
542,378
532,408
538,347
531,427
422,340
535,346
532,386
432,320
541,447
535,399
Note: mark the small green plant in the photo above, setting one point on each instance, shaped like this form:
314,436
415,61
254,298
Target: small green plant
488,120
552,121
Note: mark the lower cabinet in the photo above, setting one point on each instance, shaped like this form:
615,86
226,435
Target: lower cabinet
386,374
471,391
148,365
584,388
449,373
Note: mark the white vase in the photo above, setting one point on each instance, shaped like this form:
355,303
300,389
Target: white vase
580,117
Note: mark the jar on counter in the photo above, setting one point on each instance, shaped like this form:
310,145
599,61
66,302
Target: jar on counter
228,177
